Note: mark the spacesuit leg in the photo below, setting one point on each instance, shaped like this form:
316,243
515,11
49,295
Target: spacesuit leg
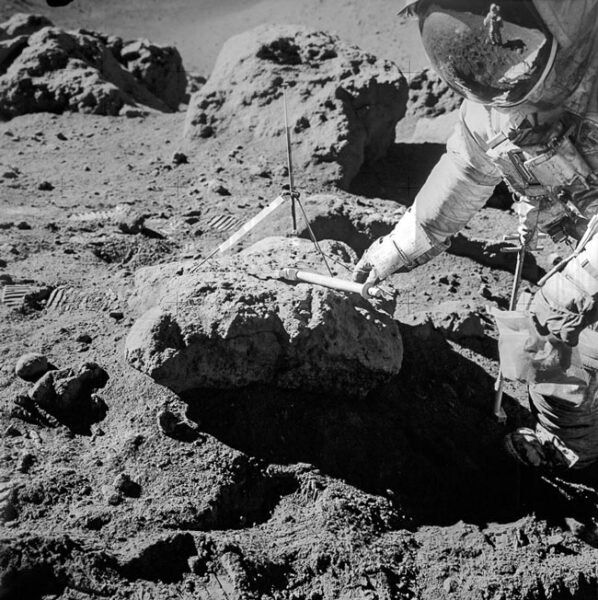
562,383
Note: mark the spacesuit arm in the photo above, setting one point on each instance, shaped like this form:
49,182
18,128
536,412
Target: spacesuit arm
455,190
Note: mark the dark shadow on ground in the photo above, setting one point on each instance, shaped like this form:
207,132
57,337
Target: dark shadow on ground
403,171
400,174
427,439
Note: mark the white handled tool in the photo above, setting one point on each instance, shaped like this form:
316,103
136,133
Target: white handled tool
367,290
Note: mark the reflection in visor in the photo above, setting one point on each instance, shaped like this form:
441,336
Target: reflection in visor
491,53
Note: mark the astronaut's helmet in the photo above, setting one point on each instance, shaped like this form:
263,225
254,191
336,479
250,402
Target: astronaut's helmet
509,52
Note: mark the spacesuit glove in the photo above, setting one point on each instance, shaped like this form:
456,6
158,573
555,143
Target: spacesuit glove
528,213
381,259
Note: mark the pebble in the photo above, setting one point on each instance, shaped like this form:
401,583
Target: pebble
485,292
450,585
12,431
111,495
26,462
180,158
45,186
218,188
31,366
126,486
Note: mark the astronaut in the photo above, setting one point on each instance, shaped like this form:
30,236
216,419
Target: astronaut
493,22
529,118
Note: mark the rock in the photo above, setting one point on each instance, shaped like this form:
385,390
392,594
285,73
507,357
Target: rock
132,222
61,136
111,496
180,158
84,338
44,186
455,319
223,328
158,68
343,103
31,366
47,69
68,395
175,427
217,187
22,24
430,96
355,221
117,315
8,511
23,225
126,486
26,461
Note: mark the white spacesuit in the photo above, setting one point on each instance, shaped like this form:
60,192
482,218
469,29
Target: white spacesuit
530,118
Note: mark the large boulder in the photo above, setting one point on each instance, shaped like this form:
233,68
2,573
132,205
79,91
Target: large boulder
343,103
159,68
232,323
432,110
342,217
46,69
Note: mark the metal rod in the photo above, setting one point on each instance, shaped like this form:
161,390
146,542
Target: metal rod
313,237
365,290
498,410
236,237
290,162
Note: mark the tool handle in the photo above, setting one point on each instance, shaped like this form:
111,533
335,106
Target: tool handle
367,290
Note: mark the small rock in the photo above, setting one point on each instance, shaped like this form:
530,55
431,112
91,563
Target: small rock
132,222
23,225
217,187
8,511
9,175
5,277
180,158
175,427
450,585
133,113
444,280
26,462
126,486
117,315
6,225
45,186
31,366
61,136
111,495
12,431
485,292
84,338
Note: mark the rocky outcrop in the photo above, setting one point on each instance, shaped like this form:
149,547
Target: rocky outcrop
430,96
233,323
432,110
356,222
343,104
46,69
